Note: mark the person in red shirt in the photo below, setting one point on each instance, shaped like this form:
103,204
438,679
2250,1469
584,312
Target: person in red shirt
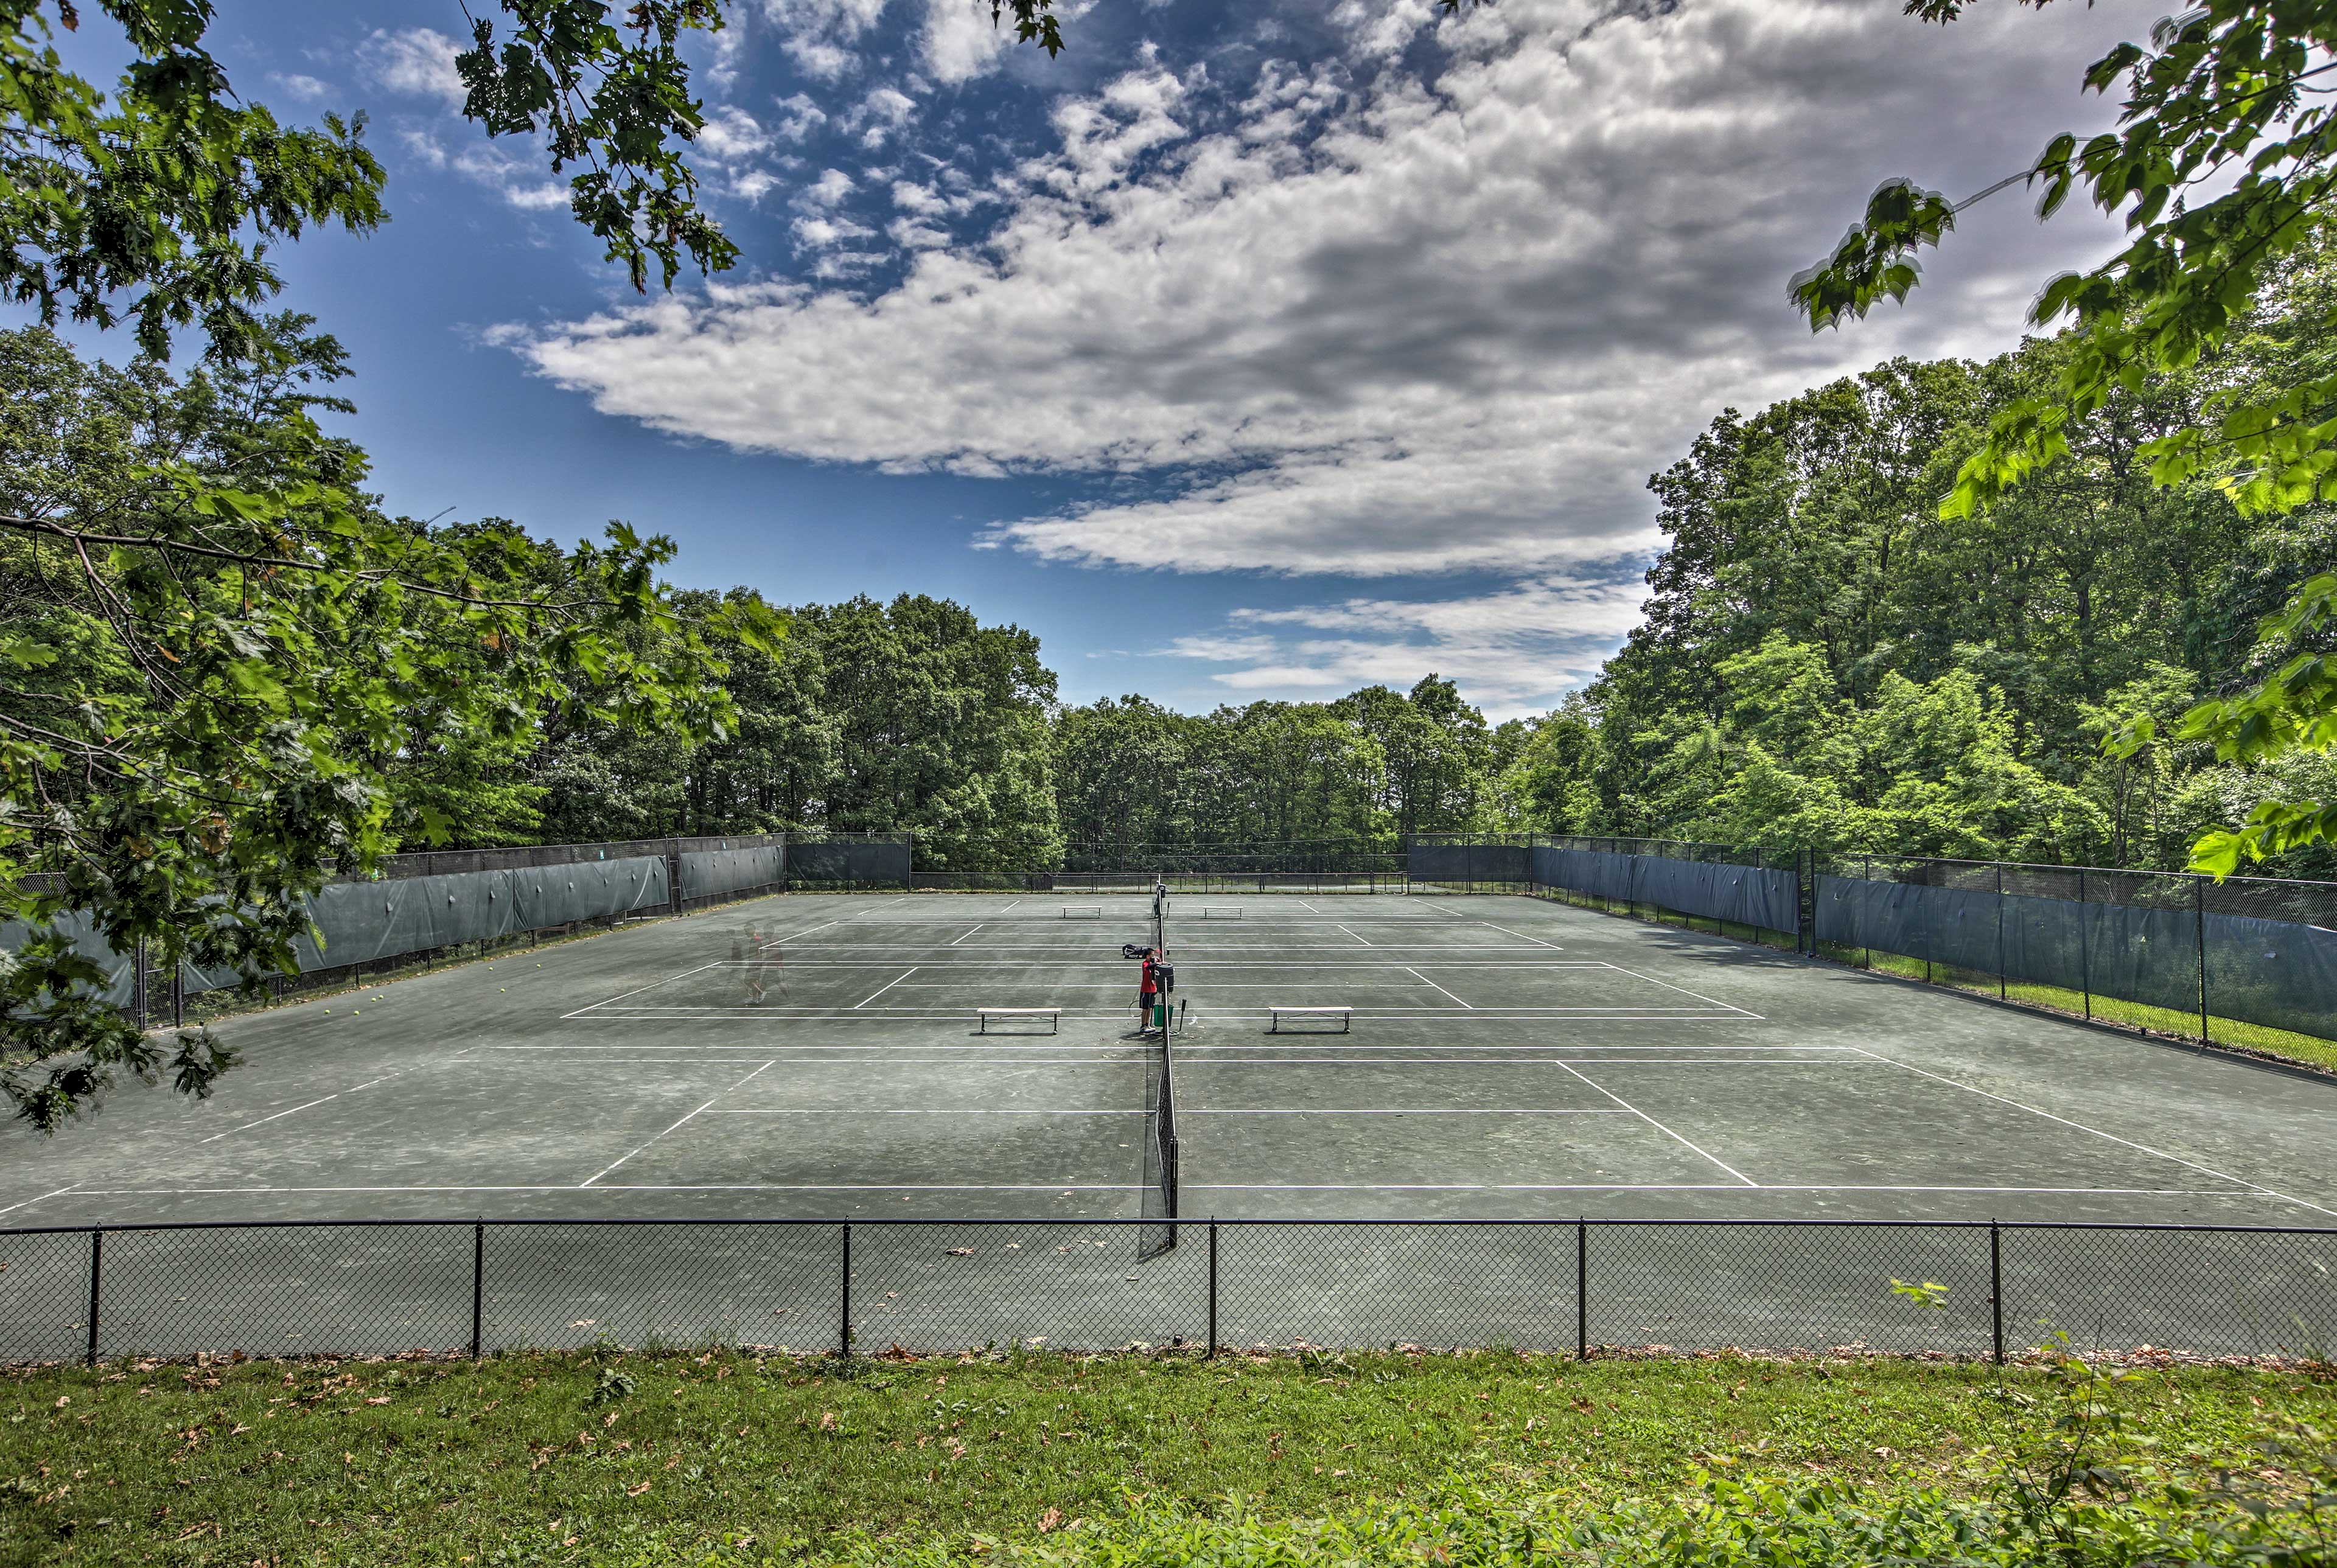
1148,992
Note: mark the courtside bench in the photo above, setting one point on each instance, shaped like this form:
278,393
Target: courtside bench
983,1016
1275,1015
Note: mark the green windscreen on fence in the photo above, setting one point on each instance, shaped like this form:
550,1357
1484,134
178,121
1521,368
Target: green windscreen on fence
2252,949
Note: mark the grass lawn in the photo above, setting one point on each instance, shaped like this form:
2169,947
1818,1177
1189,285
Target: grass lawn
677,1459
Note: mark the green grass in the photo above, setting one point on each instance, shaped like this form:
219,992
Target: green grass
2232,1034
517,1460
2229,1034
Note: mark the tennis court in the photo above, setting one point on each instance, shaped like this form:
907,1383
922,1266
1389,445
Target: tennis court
816,1055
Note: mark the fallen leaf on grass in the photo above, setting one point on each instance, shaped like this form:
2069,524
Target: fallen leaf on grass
637,1491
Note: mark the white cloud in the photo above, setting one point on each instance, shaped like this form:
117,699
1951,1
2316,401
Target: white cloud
416,60
1363,324
537,197
821,34
960,41
832,186
801,117
731,134
307,89
911,235
1514,650
883,113
821,233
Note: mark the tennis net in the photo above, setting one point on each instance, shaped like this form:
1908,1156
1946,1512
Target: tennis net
1159,1230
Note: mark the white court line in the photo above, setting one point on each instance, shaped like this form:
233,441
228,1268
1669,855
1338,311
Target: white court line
1416,1111
631,1187
44,1198
1356,935
1424,979
1520,936
880,990
263,1121
945,1111
977,927
1079,960
910,1015
1681,1187
2113,1137
636,991
1659,1127
630,1153
1683,990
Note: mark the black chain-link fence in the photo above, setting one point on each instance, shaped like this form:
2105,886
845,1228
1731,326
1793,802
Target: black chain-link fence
447,905
1966,1289
2249,962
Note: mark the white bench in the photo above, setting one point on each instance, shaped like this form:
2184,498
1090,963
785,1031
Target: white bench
1346,1017
1054,1017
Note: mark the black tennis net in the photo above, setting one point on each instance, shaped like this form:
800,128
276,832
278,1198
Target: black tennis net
1159,1230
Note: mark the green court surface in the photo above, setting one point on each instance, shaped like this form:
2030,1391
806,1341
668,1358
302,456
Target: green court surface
1509,1058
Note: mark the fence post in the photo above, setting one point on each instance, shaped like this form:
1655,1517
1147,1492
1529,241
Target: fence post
2199,928
1999,930
179,993
96,1273
843,1330
138,983
1582,1290
1996,1284
478,1284
1211,1349
2085,945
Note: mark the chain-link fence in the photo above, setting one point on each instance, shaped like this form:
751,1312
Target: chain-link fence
2249,962
1975,1289
439,905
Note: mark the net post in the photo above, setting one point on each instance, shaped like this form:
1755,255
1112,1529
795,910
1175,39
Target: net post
478,1285
96,1274
843,1297
1211,1349
1996,1285
1582,1289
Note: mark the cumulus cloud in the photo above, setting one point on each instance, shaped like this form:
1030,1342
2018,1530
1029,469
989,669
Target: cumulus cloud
1514,649
416,60
307,89
731,134
960,41
1373,319
799,117
823,36
832,186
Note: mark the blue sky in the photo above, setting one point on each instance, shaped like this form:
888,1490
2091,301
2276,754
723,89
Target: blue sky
1244,351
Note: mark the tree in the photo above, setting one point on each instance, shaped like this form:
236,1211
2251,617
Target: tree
214,654
2220,96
